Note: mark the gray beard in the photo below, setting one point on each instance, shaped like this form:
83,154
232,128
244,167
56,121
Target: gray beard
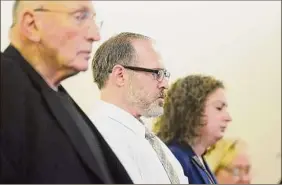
153,111
145,109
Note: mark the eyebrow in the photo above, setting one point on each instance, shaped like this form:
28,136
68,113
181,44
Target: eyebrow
224,104
83,8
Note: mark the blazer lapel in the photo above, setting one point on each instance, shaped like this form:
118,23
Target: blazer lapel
201,171
194,162
64,120
209,170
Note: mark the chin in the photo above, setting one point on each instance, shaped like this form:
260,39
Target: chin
83,69
80,65
219,137
80,68
215,139
75,70
153,112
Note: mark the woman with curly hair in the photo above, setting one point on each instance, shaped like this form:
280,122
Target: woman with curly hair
195,117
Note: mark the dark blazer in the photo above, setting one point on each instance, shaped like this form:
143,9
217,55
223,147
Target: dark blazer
193,169
40,142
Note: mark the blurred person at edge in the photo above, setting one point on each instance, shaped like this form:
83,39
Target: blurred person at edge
229,161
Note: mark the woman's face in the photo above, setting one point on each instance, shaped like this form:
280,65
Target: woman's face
216,117
238,172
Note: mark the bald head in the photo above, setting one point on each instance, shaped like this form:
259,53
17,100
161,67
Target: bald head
22,5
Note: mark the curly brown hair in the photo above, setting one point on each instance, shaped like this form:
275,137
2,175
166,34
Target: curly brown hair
184,108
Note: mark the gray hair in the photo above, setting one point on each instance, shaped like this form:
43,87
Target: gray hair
116,50
15,11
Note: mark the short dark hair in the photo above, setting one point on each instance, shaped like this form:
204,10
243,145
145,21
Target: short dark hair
116,50
184,107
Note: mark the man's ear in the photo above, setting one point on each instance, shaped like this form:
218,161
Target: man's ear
28,26
119,75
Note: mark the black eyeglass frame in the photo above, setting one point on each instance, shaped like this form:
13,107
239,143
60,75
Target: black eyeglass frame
160,73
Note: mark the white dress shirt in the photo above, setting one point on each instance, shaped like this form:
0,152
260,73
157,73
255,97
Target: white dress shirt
126,136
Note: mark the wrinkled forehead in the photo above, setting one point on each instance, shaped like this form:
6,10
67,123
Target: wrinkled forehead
147,54
67,5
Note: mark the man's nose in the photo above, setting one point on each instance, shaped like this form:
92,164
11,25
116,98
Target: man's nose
164,83
93,32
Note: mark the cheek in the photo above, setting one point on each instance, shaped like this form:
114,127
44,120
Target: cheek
145,86
52,38
224,178
69,42
64,40
211,121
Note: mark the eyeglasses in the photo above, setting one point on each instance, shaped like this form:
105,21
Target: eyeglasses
80,17
238,171
159,74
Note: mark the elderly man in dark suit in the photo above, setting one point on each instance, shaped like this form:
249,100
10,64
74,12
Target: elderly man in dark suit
45,137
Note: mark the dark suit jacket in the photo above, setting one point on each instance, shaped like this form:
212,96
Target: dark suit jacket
40,142
192,169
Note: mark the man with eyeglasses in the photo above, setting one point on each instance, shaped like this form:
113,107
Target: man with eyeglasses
45,137
132,80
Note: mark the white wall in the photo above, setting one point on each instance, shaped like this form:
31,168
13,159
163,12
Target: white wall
238,42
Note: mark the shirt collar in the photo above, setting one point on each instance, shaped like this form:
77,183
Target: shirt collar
120,115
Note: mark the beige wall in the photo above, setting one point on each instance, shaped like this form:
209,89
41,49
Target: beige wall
238,42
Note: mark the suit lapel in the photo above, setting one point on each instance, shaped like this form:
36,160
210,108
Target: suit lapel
64,120
118,171
76,138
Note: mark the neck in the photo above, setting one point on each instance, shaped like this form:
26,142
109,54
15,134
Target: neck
199,147
117,100
45,67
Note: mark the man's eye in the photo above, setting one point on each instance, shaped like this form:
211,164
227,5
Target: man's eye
155,75
80,16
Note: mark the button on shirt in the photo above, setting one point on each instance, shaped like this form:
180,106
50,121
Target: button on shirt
126,136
